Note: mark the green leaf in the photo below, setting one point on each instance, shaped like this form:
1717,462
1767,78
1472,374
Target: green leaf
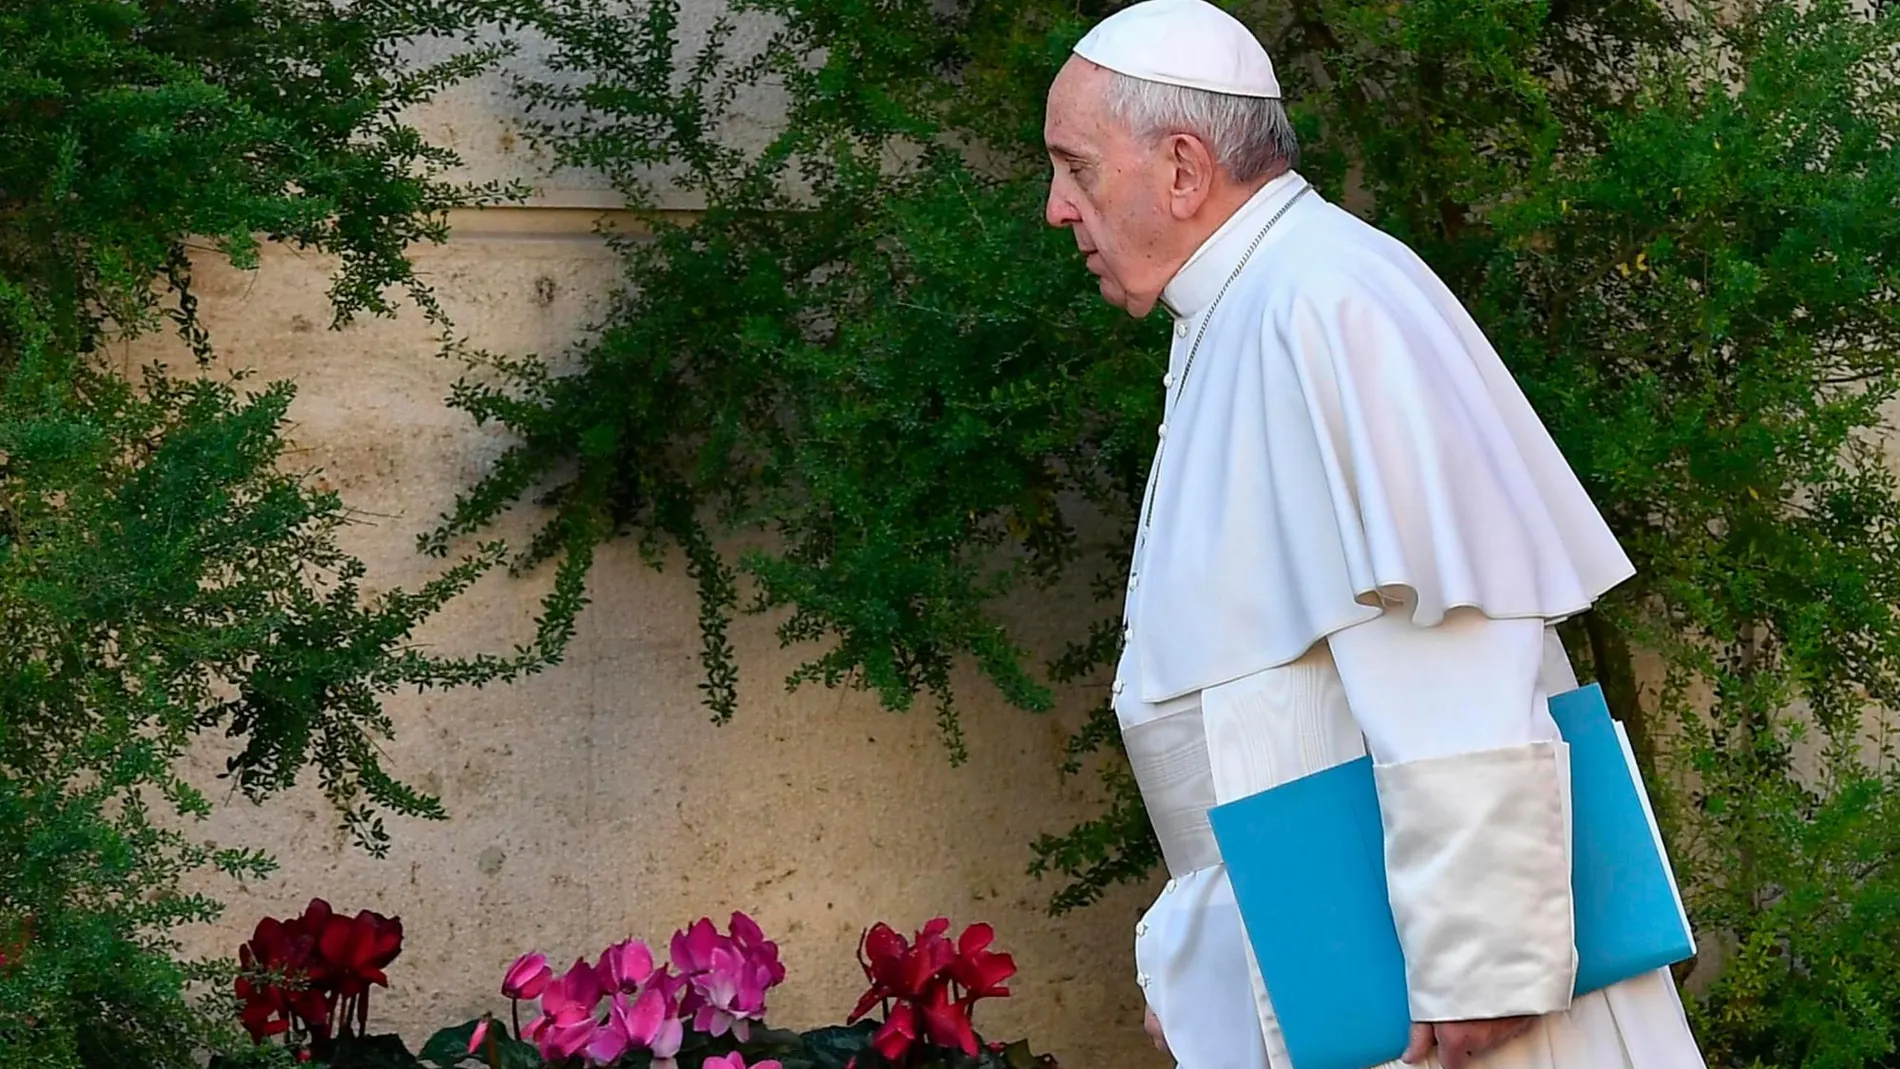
448,1048
372,1052
837,1046
167,571
1017,1055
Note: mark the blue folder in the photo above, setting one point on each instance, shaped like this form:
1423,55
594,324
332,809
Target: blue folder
1307,863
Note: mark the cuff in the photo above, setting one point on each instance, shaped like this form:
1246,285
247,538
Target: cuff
1477,850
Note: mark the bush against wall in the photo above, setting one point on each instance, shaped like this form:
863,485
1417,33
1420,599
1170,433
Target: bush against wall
164,575
1678,222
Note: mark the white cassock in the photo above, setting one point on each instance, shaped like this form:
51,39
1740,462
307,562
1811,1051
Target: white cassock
1358,538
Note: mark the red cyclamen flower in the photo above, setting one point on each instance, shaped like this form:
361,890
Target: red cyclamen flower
298,971
929,985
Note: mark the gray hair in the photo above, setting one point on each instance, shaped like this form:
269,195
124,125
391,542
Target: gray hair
1250,137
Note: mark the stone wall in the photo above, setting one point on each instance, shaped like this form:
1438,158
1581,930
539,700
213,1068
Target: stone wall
596,801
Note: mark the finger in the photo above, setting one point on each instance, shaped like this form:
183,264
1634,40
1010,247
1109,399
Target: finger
1465,1043
1500,1033
1151,1024
1420,1046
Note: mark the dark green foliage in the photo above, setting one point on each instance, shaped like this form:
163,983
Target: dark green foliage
163,576
1681,225
910,385
825,1047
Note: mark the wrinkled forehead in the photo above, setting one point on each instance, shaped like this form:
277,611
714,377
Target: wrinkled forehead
1076,122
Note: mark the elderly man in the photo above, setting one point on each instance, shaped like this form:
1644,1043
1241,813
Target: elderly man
1356,537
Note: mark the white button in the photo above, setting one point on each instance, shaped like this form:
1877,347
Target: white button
1161,431
1134,581
1142,979
1180,328
1169,886
1142,928
1167,381
1118,687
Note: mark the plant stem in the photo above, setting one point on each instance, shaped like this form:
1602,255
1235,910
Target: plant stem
1615,671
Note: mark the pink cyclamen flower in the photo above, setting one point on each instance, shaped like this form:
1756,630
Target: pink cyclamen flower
574,995
566,1041
527,977
666,992
692,953
645,1023
757,949
613,1038
693,948
731,994
566,1025
481,1033
734,1061
625,966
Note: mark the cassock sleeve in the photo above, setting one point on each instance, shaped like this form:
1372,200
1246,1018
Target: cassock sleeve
1473,791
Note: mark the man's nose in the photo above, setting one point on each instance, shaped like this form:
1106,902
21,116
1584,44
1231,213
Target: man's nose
1058,211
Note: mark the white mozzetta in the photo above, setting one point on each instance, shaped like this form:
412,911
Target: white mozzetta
1346,439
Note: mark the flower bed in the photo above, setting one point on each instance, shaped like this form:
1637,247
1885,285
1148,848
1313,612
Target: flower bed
306,983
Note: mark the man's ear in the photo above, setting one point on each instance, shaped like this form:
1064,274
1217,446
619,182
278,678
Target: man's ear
1195,172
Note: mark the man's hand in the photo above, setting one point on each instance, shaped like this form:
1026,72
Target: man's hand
1461,1043
1152,1025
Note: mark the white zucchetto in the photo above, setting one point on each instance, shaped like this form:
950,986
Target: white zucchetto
1189,43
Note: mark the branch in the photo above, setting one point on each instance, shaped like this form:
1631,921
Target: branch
1315,27
1864,376
1560,303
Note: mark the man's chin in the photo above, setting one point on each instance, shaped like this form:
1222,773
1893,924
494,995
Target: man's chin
1122,299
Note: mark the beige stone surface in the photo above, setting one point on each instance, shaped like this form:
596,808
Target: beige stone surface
596,801
483,119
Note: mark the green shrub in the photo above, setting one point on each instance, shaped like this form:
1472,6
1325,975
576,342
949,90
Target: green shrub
163,575
1678,222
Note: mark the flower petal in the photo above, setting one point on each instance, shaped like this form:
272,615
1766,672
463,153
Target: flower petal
643,1020
882,952
865,1005
745,930
947,1023
974,938
667,1043
571,1040
527,977
625,966
897,1033
606,1046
